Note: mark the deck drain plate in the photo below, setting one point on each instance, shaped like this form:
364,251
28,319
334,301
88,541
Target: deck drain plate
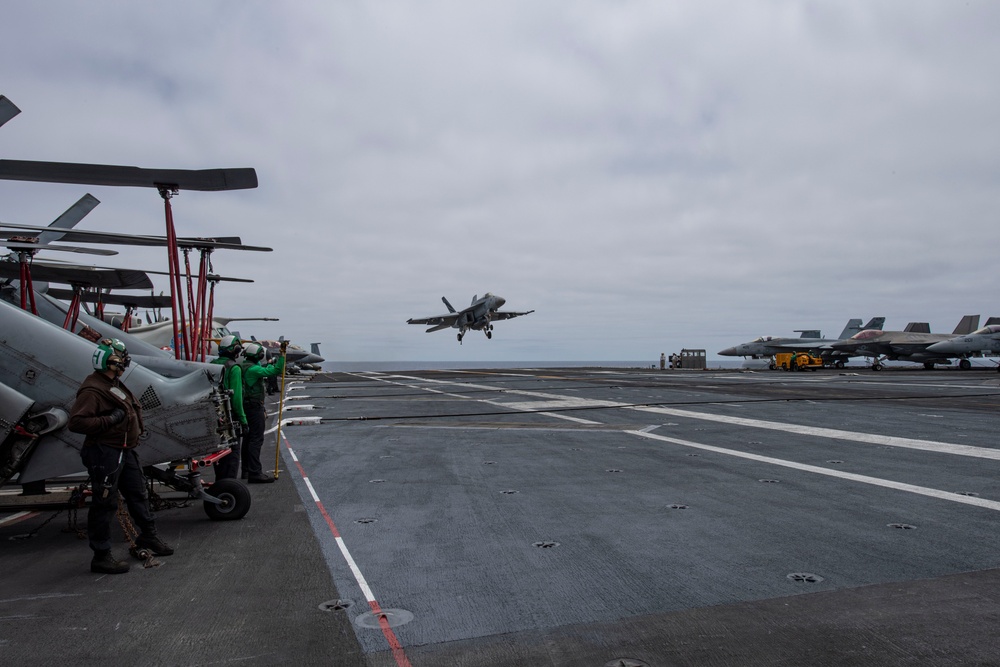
678,507
509,492
546,545
626,662
768,481
366,519
336,605
393,617
901,526
806,577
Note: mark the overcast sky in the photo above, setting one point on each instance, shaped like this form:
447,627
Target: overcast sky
646,176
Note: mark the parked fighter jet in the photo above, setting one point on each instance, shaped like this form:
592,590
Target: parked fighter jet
479,316
980,341
809,341
908,345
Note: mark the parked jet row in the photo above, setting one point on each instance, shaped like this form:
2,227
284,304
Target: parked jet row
809,341
915,343
907,345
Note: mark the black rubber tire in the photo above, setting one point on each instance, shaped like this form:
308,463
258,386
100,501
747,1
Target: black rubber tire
237,499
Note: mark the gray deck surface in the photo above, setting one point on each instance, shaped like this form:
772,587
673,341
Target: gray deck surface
566,517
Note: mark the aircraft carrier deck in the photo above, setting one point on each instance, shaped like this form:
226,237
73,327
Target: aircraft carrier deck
569,517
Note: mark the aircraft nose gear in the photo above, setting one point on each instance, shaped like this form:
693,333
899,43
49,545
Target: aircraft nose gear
460,337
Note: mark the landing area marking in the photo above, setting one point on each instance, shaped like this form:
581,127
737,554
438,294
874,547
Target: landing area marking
555,400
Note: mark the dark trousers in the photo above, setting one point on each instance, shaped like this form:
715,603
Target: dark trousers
113,471
254,439
228,466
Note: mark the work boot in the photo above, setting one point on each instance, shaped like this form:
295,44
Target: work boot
260,479
104,563
157,546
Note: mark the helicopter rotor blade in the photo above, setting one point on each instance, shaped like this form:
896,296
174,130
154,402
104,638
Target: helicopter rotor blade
205,180
7,110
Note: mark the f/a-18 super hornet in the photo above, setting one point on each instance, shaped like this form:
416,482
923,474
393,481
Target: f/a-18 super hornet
911,344
479,316
809,341
980,341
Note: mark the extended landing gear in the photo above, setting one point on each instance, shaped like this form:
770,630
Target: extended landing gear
225,500
234,499
876,365
460,337
965,364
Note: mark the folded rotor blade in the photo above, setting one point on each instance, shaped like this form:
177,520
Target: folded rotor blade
69,218
100,174
7,110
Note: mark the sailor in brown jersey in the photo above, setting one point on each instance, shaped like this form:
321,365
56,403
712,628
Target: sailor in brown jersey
110,417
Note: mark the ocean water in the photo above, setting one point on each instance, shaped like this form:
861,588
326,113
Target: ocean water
382,366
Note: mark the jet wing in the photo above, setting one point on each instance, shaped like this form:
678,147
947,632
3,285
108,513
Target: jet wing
506,315
437,322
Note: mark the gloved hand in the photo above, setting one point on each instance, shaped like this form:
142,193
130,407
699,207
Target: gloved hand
240,428
117,416
284,346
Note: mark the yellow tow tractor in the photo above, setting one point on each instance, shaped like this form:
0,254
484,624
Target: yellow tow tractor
797,361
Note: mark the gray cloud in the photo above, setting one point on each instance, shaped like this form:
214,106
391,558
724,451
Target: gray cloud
645,176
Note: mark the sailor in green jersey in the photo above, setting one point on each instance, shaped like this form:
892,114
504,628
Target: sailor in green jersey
229,348
254,391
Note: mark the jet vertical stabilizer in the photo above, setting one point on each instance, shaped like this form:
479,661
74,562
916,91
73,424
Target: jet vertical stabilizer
967,325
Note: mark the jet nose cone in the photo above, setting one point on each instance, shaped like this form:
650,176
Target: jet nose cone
944,347
728,352
500,301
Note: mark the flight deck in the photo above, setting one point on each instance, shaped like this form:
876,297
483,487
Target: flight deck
572,516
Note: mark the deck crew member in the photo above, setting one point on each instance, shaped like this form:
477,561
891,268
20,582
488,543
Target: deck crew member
110,417
232,380
253,405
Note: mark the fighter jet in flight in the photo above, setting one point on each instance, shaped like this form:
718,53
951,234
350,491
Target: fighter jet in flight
479,316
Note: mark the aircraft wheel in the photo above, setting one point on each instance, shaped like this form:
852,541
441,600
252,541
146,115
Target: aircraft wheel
489,334
235,497
876,366
772,366
965,364
838,364
929,365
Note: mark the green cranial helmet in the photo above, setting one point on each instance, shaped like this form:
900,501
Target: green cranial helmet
230,346
111,355
254,351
